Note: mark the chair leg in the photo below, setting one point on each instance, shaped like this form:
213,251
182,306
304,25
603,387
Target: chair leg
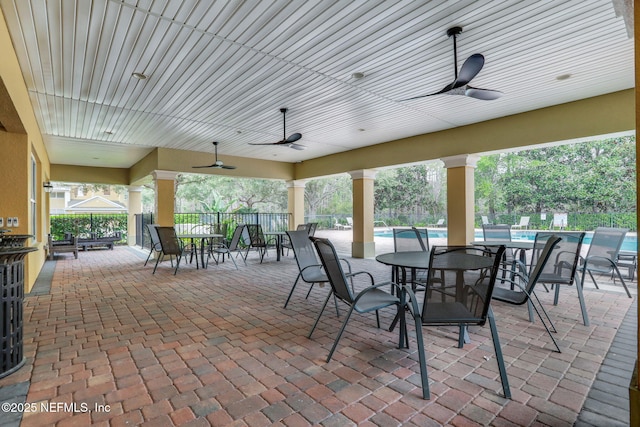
320,314
499,358
617,271
530,308
234,261
344,325
593,279
291,292
583,308
422,357
148,257
556,295
544,323
178,258
157,261
309,291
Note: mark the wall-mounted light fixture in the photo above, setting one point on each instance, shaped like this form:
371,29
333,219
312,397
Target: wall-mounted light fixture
47,187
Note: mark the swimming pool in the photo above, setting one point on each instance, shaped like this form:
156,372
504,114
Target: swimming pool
630,242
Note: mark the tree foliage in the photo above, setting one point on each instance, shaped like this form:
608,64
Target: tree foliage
589,177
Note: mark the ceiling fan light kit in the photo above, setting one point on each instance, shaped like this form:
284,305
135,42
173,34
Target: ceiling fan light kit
218,164
470,68
286,141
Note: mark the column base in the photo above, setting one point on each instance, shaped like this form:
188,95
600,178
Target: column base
363,249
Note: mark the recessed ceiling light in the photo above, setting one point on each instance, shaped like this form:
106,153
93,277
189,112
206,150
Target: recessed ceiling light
563,77
140,76
361,130
357,75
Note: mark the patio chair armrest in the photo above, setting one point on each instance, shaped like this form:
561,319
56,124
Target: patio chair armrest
311,266
353,274
412,302
346,262
374,286
596,258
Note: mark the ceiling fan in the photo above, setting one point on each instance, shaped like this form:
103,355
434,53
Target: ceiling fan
286,141
468,71
218,163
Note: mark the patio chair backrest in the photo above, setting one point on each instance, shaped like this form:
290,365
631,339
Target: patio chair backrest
460,284
256,235
496,232
605,244
305,254
524,221
563,261
333,269
407,240
304,227
544,260
235,239
485,220
169,240
153,234
312,228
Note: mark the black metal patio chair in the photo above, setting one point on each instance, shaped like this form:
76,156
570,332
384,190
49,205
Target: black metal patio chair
171,246
523,289
219,249
372,298
472,272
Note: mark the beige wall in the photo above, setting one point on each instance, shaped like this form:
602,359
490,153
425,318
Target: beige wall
17,149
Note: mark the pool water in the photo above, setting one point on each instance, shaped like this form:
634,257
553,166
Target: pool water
630,242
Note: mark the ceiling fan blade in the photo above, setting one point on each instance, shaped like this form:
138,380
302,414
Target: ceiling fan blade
264,143
227,167
445,89
294,137
469,70
297,147
209,166
483,94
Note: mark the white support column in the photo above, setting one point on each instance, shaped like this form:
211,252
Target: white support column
134,208
460,198
363,245
165,196
295,204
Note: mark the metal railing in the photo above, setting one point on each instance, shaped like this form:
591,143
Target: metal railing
186,222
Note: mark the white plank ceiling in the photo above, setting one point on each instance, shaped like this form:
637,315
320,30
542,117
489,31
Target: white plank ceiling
221,70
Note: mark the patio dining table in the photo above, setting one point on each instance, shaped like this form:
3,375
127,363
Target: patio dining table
279,237
203,238
418,260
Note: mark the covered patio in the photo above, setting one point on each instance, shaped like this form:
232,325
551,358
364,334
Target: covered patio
103,332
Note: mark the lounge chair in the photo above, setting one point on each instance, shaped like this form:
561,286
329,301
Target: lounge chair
524,223
440,223
559,221
485,220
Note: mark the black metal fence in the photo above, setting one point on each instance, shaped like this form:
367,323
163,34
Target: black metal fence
186,222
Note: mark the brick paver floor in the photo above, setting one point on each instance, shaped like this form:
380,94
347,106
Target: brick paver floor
111,344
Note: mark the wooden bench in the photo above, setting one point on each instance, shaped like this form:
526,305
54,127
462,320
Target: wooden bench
97,242
63,246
